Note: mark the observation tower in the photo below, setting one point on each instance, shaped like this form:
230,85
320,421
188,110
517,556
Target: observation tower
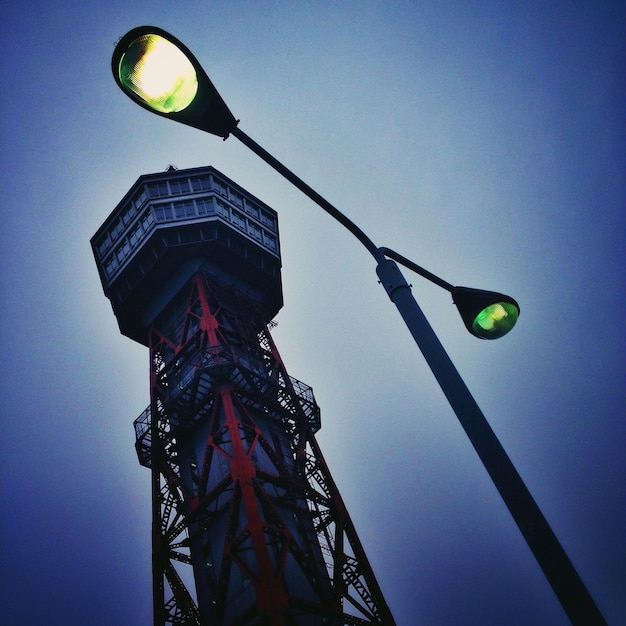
248,527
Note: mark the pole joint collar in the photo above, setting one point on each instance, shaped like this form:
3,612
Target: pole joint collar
391,277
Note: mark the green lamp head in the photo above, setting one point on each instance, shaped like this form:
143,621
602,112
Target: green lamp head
160,74
486,314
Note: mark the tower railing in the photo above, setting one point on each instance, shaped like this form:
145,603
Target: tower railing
190,387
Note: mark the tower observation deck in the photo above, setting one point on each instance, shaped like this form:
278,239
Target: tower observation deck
248,527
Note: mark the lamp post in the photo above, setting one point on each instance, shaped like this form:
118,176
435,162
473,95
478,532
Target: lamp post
161,74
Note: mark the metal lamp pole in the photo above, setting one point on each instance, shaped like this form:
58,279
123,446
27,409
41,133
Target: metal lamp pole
552,558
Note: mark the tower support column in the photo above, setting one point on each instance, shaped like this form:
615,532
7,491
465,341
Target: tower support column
248,526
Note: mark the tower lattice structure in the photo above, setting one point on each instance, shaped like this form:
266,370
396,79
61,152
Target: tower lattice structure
248,526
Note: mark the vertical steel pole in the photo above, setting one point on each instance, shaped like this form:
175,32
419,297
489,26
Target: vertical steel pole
558,569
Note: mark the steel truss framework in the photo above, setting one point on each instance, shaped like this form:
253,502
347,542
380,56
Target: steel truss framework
248,525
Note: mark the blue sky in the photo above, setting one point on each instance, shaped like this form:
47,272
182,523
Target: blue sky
484,140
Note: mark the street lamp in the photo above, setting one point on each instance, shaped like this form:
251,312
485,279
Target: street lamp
486,314
161,74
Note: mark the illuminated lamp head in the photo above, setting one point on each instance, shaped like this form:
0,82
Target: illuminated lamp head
486,314
160,73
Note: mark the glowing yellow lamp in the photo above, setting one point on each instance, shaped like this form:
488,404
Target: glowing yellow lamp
158,73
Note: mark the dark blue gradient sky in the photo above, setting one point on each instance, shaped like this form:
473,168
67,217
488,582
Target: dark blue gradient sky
484,140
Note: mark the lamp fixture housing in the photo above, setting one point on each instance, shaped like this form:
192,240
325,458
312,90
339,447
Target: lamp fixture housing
161,74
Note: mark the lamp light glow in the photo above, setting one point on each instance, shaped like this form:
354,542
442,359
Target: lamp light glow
496,319
158,73
486,314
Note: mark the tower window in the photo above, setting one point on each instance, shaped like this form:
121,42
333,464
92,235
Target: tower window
179,186
158,190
